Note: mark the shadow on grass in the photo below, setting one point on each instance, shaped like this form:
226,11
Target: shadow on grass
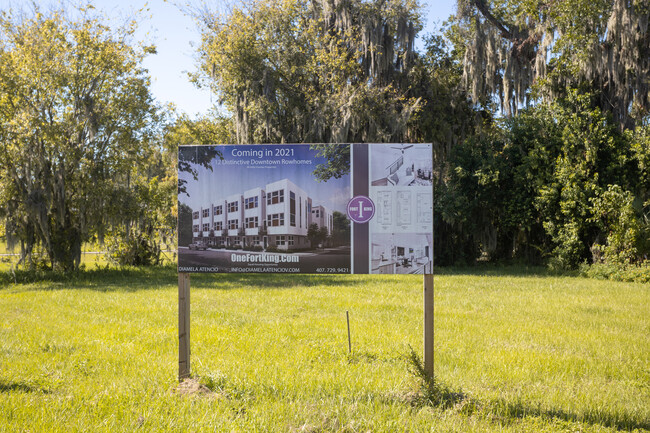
437,394
504,270
6,387
100,279
234,281
132,279
505,410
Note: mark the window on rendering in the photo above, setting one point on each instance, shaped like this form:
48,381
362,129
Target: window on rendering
275,197
281,240
195,228
206,213
275,220
290,240
251,223
218,210
233,206
250,202
292,209
195,215
233,224
206,227
396,165
218,225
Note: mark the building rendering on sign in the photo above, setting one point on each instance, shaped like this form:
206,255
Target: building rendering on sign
322,217
276,215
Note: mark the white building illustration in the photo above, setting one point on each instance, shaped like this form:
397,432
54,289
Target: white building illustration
322,217
277,215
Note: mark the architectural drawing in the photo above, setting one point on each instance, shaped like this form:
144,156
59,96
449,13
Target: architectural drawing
277,215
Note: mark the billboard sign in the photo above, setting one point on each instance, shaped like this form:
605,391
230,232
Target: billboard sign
300,208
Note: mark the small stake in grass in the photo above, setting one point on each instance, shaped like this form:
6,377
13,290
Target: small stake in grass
347,316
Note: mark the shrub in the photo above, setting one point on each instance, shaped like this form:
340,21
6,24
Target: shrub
638,273
136,250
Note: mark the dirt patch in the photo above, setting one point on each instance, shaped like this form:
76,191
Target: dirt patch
192,387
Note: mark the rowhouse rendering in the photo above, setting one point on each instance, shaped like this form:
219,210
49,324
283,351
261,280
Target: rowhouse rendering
276,215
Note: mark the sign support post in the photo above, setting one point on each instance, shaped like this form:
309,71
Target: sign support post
428,325
183,326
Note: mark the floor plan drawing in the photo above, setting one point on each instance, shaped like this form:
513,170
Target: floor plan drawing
404,208
424,208
384,208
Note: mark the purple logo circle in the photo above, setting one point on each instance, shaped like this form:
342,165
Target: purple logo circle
361,209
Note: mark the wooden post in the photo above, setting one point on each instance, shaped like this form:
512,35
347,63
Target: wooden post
347,316
428,324
183,326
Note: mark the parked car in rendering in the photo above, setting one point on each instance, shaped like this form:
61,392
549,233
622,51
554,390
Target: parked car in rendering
198,245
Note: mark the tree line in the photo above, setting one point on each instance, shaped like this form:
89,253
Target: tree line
538,117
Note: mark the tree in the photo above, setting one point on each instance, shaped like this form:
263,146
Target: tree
207,130
184,225
519,49
340,229
325,71
76,119
559,181
338,161
316,235
323,235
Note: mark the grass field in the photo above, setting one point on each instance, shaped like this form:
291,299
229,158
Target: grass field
98,352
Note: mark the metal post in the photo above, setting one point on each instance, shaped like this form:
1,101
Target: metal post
428,325
183,326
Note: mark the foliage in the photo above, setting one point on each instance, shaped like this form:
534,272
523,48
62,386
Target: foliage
316,235
638,273
136,249
593,157
340,229
446,117
207,130
558,181
433,392
518,50
615,215
77,121
338,161
184,225
320,72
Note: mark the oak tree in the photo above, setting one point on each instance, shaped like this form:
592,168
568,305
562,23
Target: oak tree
76,120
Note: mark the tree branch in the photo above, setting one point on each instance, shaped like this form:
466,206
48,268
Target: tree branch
523,42
485,10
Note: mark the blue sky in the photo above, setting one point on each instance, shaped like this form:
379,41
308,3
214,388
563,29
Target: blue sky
176,37
226,179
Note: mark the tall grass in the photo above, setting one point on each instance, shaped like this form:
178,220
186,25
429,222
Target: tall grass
98,352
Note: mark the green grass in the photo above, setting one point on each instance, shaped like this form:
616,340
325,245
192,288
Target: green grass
98,352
